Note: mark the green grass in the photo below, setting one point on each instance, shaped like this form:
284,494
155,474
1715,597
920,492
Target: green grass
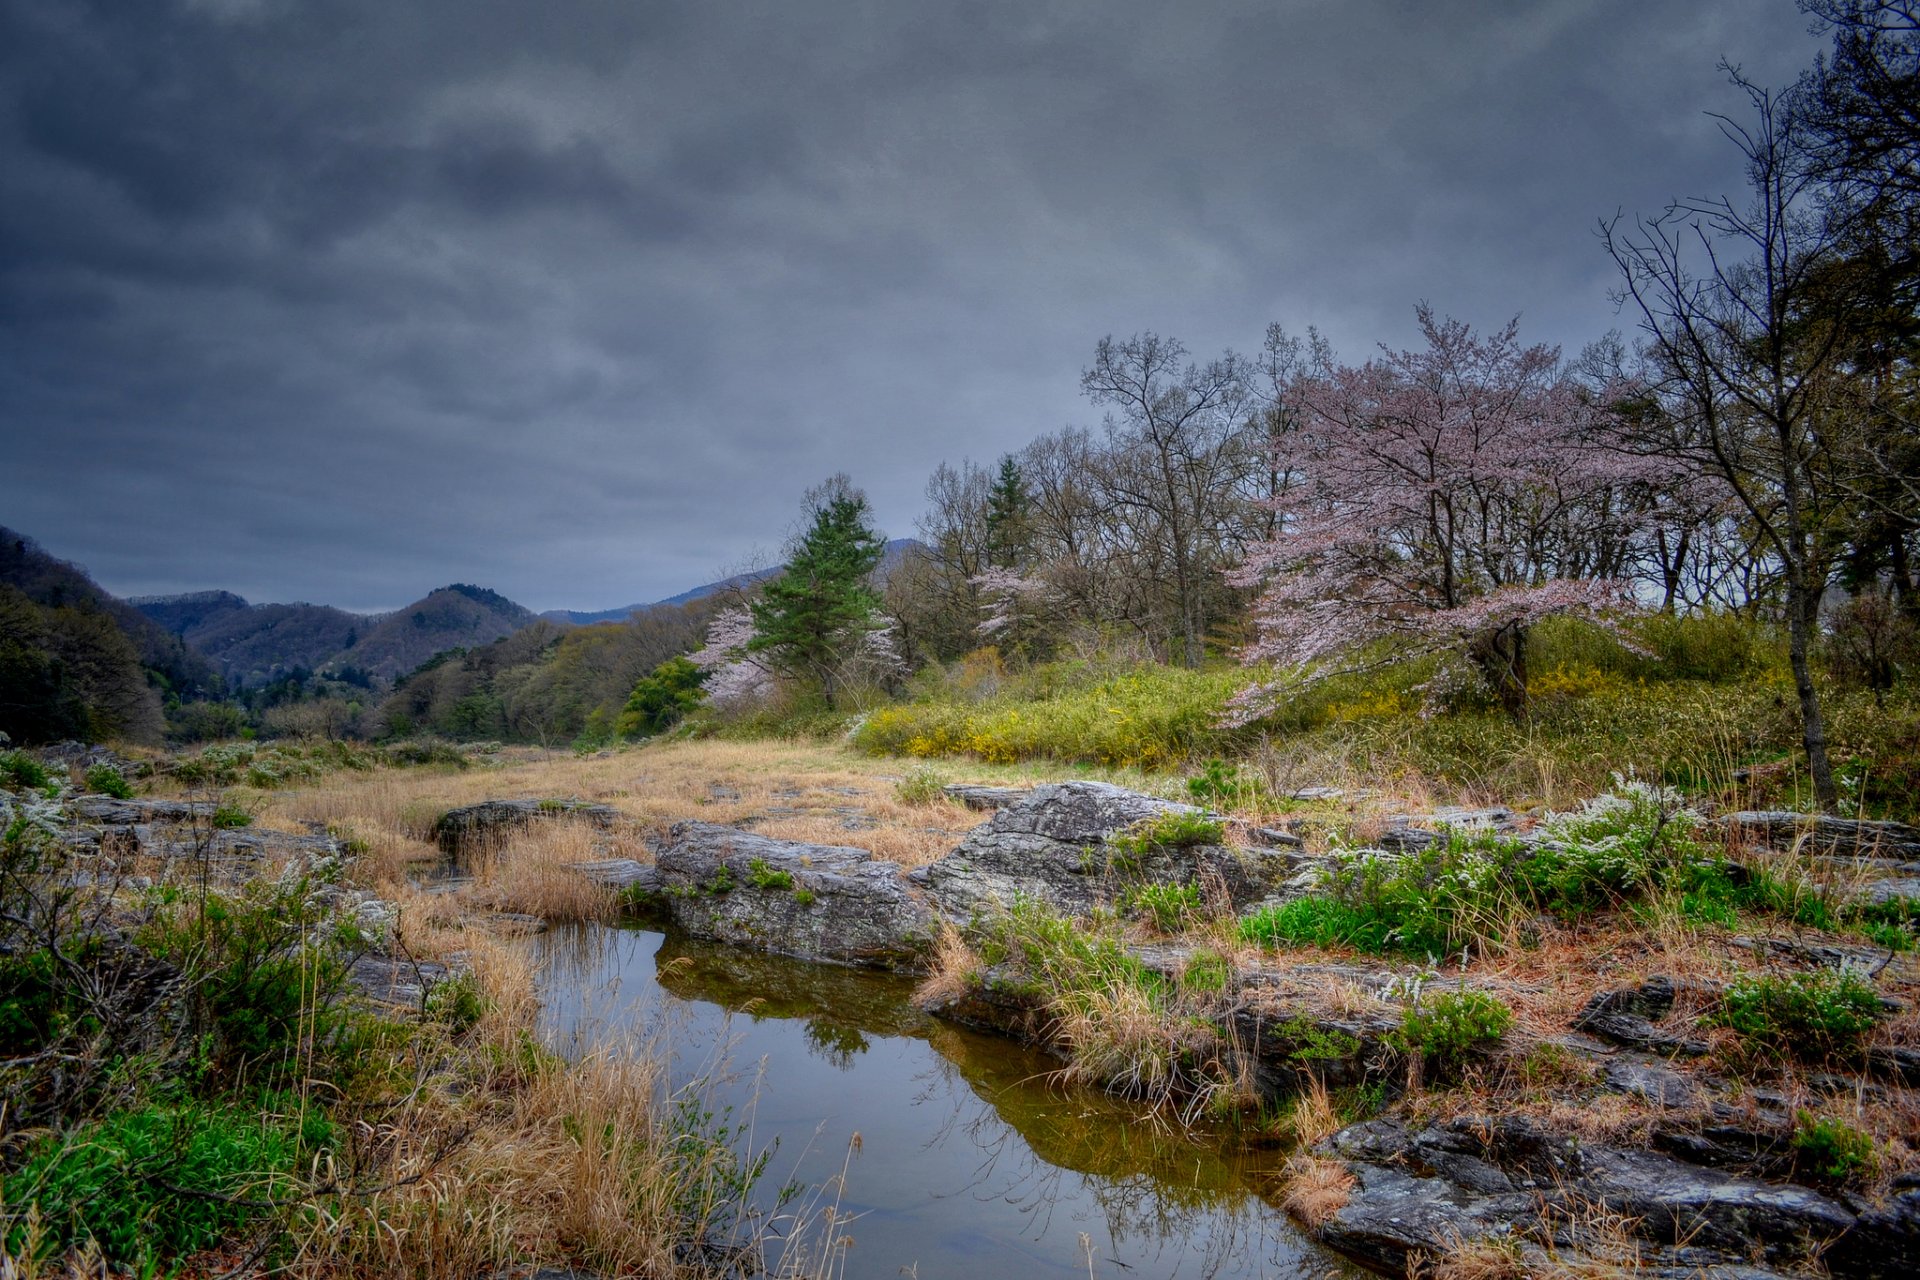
153,1184
1810,1016
105,780
1833,1148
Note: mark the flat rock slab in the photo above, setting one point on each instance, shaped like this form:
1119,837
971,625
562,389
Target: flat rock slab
460,829
819,902
1821,833
1408,833
981,797
1053,846
1469,1178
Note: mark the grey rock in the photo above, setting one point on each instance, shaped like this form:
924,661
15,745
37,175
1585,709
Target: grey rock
1409,833
396,981
461,829
621,873
1420,1188
1884,1243
1898,889
1822,833
819,902
1626,1017
1650,1080
1053,846
975,796
1276,837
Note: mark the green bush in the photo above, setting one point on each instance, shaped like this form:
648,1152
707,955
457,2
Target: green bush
1171,907
1808,1016
456,1002
1833,1148
921,786
105,780
21,771
1454,1025
228,816
152,1185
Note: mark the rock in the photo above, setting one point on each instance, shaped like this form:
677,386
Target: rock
1822,833
396,981
1275,837
621,873
978,797
1650,1080
818,902
1884,1243
1409,833
461,829
1052,846
1423,1188
1880,892
1626,1017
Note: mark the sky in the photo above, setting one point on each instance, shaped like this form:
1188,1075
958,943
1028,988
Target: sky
340,302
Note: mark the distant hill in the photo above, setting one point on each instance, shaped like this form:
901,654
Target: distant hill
454,617
895,550
254,644
51,583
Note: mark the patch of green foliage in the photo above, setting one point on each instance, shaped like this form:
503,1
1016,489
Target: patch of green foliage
1812,1016
1206,971
762,876
1171,907
1224,786
1450,1027
722,880
921,786
21,771
1060,956
661,700
805,897
1833,1148
1315,922
228,816
456,1002
1314,1043
105,780
156,1183
1171,829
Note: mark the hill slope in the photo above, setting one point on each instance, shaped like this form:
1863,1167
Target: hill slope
459,616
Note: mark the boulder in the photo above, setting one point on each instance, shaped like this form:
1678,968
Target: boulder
975,796
818,902
1054,846
462,829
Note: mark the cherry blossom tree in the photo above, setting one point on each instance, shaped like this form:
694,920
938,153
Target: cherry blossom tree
1444,500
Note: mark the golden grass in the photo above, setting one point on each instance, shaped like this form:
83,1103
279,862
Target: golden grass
955,967
536,872
1316,1188
1310,1118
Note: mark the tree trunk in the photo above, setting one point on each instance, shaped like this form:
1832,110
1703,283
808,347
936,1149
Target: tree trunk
1813,729
1501,657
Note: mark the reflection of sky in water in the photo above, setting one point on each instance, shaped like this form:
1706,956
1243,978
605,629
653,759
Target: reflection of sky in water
971,1163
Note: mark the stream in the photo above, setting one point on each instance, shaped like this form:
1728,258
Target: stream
971,1161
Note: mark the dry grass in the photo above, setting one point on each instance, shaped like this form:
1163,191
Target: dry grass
536,872
955,968
1311,1118
1316,1189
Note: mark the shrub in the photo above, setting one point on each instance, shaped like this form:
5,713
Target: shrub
1173,829
1810,1016
457,1002
1833,1148
1315,922
1221,784
154,1184
921,786
228,816
105,780
21,771
1453,1025
1169,906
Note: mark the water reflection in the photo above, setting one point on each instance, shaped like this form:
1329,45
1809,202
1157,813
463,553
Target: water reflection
971,1155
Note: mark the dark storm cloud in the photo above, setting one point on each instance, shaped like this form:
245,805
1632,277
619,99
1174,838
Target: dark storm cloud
343,301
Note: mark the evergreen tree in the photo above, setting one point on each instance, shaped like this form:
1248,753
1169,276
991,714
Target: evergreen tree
815,615
1007,523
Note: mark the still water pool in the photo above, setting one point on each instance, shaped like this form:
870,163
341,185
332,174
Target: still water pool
971,1161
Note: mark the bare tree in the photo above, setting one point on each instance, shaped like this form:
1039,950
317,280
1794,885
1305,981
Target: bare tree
1727,295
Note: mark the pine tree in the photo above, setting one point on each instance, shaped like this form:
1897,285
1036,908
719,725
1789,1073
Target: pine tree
811,618
1007,528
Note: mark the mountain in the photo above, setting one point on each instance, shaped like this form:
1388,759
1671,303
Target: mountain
258,643
896,550
459,616
185,614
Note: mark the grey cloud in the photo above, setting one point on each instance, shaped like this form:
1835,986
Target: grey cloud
342,300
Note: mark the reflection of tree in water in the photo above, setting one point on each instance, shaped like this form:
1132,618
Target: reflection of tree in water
836,1042
1042,1145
